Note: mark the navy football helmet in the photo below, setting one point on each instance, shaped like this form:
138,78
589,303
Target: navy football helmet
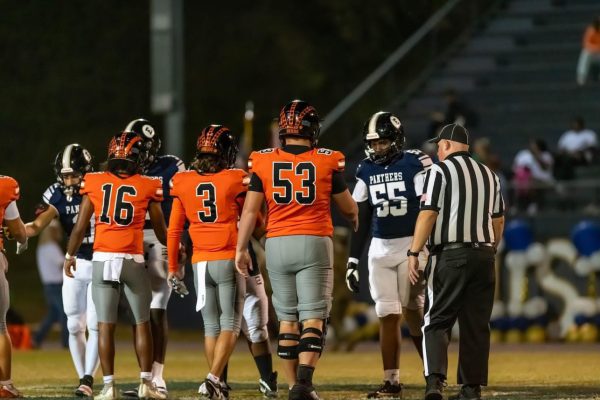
383,125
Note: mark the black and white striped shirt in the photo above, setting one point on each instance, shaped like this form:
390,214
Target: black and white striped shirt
466,194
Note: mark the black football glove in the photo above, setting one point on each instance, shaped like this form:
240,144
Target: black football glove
352,276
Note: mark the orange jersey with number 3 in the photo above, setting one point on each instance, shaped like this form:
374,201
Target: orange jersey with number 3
9,192
212,205
297,189
120,206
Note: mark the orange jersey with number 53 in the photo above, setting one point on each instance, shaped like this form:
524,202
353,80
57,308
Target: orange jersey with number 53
297,189
120,206
212,204
9,192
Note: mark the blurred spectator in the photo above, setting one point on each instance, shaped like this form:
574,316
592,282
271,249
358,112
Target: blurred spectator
590,53
457,111
50,258
578,146
482,152
532,168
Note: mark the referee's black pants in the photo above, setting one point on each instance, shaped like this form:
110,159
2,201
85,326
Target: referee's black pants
460,284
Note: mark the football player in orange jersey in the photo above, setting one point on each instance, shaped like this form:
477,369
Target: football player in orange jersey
9,215
119,199
297,182
210,197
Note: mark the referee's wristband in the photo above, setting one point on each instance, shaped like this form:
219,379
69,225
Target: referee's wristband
412,253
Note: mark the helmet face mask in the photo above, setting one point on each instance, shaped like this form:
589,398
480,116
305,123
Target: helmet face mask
299,119
72,162
216,149
383,125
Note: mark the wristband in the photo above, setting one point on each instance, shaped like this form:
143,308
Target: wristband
412,253
69,257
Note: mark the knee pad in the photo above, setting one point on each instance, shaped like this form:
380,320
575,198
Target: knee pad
288,352
385,308
258,335
76,324
313,344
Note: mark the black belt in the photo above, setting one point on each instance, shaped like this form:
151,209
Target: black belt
453,246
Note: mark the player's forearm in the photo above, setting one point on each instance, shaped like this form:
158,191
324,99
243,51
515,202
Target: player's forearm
346,205
17,229
158,222
246,227
425,222
76,238
360,237
173,241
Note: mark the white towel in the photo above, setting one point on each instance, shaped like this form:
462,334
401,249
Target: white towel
201,285
112,269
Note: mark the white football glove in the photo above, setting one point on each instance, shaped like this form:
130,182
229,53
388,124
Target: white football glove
352,280
22,247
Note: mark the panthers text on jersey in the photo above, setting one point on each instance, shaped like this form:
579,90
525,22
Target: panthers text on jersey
68,210
297,189
120,206
9,192
393,191
212,203
165,167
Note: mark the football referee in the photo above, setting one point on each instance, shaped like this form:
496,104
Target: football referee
462,219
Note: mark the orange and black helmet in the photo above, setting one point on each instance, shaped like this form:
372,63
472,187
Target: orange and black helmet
126,153
298,118
218,141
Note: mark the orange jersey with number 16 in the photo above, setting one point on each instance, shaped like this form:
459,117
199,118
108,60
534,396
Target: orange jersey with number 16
9,192
120,206
212,204
297,189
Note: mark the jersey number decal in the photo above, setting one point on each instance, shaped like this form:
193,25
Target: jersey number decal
123,210
208,194
305,194
395,204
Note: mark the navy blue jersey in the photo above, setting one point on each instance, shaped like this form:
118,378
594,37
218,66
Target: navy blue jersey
68,209
165,166
393,192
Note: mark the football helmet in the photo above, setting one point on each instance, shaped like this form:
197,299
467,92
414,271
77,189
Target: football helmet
383,125
126,154
72,160
298,118
217,142
146,131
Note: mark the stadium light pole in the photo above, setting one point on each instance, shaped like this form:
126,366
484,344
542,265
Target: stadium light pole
166,59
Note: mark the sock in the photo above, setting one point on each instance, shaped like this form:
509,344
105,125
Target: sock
418,341
147,376
108,379
77,345
157,370
213,378
305,374
91,352
392,376
264,364
7,382
224,373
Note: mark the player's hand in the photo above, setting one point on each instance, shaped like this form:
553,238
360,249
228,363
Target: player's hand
177,284
243,262
355,223
21,247
69,266
413,270
352,277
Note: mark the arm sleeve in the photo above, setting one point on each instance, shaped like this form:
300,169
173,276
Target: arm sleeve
434,188
419,182
338,184
176,223
12,211
255,184
361,191
360,237
498,210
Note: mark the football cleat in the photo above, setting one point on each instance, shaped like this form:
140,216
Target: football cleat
225,389
387,391
303,392
10,392
109,392
269,388
85,388
148,390
211,390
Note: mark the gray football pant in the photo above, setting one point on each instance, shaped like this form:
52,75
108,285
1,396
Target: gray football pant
106,294
4,295
300,268
225,290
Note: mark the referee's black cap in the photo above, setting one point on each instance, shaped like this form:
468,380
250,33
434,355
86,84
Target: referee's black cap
454,132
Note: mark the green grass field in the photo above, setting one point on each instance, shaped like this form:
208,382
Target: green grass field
516,372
